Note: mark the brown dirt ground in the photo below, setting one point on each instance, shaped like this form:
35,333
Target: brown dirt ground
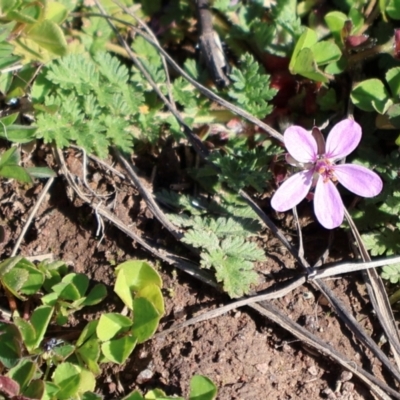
247,356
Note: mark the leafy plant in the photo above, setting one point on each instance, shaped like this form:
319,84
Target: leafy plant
310,54
251,87
222,240
391,273
10,168
69,295
34,27
62,370
88,101
201,388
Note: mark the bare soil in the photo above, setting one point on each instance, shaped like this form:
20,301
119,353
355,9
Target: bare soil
247,356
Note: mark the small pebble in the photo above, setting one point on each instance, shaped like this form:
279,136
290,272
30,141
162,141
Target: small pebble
144,376
313,370
346,376
347,387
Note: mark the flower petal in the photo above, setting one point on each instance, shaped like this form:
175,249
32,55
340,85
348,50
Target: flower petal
359,180
328,205
300,144
343,139
292,191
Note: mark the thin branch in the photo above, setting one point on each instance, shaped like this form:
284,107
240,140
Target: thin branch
32,215
345,268
377,294
202,89
147,196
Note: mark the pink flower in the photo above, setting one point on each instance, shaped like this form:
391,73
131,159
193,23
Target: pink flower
318,163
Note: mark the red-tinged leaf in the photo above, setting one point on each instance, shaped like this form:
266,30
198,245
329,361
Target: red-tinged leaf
8,386
397,43
287,86
274,63
356,41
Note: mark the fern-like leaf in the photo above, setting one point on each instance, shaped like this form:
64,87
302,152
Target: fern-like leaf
236,274
251,88
204,239
237,247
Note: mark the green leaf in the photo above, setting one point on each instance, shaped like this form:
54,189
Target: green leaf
27,331
8,264
391,273
90,353
63,352
23,372
11,345
6,6
184,93
23,16
50,299
150,58
88,331
56,12
79,281
325,52
118,350
10,157
14,280
242,168
153,294
393,113
68,378
304,64
371,95
336,67
35,278
202,388
15,172
237,247
305,41
153,7
40,320
235,272
393,79
251,87
382,242
91,396
87,382
51,390
9,119
49,35
357,18
89,102
72,287
221,5
335,21
158,394
18,133
41,172
96,295
136,395
201,238
35,390
111,324
9,167
133,276
146,319
393,9
305,61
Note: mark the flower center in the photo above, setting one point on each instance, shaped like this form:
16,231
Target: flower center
326,169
